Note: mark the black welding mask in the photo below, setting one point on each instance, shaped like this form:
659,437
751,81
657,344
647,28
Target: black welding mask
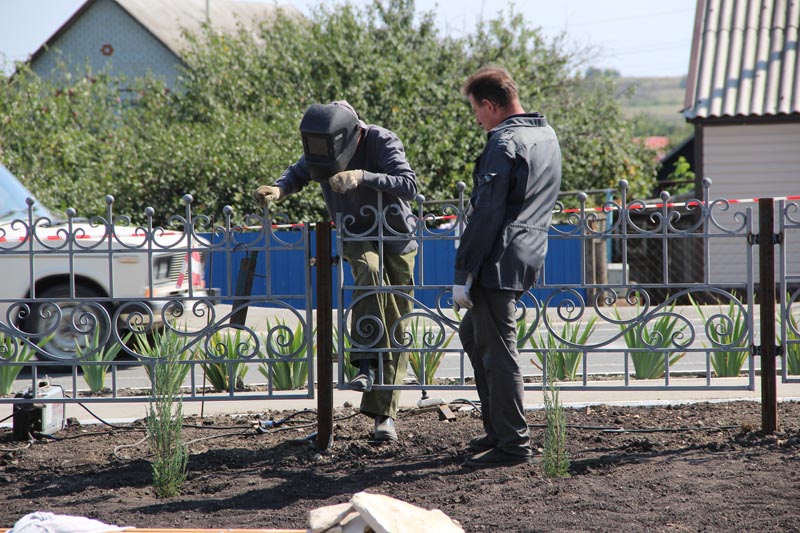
330,137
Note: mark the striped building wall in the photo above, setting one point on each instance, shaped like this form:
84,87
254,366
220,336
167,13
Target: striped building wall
749,161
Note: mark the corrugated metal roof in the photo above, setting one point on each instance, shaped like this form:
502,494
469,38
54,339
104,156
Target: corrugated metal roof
745,59
167,20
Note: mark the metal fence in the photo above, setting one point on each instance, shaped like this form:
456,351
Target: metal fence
77,291
84,287
788,238
604,330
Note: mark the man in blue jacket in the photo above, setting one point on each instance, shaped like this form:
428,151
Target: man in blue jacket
515,187
363,172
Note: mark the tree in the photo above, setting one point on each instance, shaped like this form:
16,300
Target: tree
233,123
594,72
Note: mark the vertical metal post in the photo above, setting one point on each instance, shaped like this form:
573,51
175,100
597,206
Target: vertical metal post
766,262
244,287
609,224
324,336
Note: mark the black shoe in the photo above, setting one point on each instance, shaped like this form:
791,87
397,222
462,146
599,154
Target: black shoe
365,378
496,457
384,429
481,444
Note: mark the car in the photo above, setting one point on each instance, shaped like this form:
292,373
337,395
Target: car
69,280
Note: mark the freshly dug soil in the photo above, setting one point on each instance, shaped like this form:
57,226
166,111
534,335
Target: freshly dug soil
699,467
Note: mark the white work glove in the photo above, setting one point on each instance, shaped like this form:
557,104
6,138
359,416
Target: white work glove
346,180
461,294
266,194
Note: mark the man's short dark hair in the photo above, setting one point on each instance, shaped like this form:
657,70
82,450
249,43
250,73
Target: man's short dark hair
491,83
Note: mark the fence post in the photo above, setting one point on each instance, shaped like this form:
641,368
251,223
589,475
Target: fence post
766,262
244,287
324,336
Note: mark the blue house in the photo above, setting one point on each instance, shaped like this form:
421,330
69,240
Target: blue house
139,37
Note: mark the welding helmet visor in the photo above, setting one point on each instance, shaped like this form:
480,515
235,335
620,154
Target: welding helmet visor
330,135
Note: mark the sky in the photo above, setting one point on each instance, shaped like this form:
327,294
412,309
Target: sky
635,37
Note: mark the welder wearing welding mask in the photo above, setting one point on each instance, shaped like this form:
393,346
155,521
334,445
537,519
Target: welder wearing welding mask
355,164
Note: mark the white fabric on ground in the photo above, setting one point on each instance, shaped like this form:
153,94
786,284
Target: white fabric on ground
44,522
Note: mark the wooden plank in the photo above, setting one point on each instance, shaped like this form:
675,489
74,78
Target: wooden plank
220,530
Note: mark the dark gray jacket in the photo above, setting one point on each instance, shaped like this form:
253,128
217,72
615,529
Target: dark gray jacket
381,156
515,186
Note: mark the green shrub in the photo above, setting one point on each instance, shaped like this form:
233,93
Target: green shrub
12,350
565,359
525,331
730,340
91,351
165,343
231,349
425,364
657,331
165,426
233,124
349,370
792,346
291,371
555,459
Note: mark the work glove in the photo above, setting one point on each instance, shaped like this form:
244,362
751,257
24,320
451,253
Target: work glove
461,296
346,180
266,194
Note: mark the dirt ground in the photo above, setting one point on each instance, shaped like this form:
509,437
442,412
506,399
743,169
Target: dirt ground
700,467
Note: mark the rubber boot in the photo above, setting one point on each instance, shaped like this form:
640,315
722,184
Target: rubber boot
363,381
384,428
